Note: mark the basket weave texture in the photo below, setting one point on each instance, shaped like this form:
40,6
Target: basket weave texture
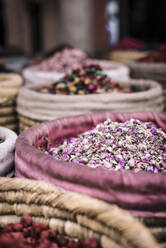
71,214
9,87
25,123
42,107
123,56
153,71
147,197
7,148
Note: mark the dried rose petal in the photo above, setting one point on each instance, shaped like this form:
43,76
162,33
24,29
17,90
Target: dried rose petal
132,145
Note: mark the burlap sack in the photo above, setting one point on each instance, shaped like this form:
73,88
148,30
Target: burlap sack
39,106
142,193
7,148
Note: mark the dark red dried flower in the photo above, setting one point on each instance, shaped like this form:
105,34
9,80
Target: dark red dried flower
36,235
26,221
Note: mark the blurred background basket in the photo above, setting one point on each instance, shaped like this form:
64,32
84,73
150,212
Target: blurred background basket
153,71
9,87
71,214
124,55
25,123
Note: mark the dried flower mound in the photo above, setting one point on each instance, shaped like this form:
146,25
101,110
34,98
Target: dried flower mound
89,79
29,234
159,56
130,44
64,61
133,145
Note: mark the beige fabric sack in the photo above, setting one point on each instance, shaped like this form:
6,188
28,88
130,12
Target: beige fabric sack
33,75
41,106
7,148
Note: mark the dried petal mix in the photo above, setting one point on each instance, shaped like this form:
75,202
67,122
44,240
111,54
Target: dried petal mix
86,80
64,61
133,145
28,234
159,56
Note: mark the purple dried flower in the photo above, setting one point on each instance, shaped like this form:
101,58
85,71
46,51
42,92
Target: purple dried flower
149,125
144,160
153,131
155,170
150,168
110,128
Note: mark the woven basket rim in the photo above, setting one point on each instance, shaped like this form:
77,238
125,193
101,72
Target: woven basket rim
129,51
9,77
31,89
143,65
111,216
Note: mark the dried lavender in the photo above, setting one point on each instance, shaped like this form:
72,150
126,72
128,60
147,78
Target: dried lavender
133,145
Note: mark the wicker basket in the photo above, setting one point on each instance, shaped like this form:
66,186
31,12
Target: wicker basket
7,147
153,71
123,56
9,87
41,107
71,214
25,123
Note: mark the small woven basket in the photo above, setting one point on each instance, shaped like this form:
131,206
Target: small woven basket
9,87
123,56
153,71
71,214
